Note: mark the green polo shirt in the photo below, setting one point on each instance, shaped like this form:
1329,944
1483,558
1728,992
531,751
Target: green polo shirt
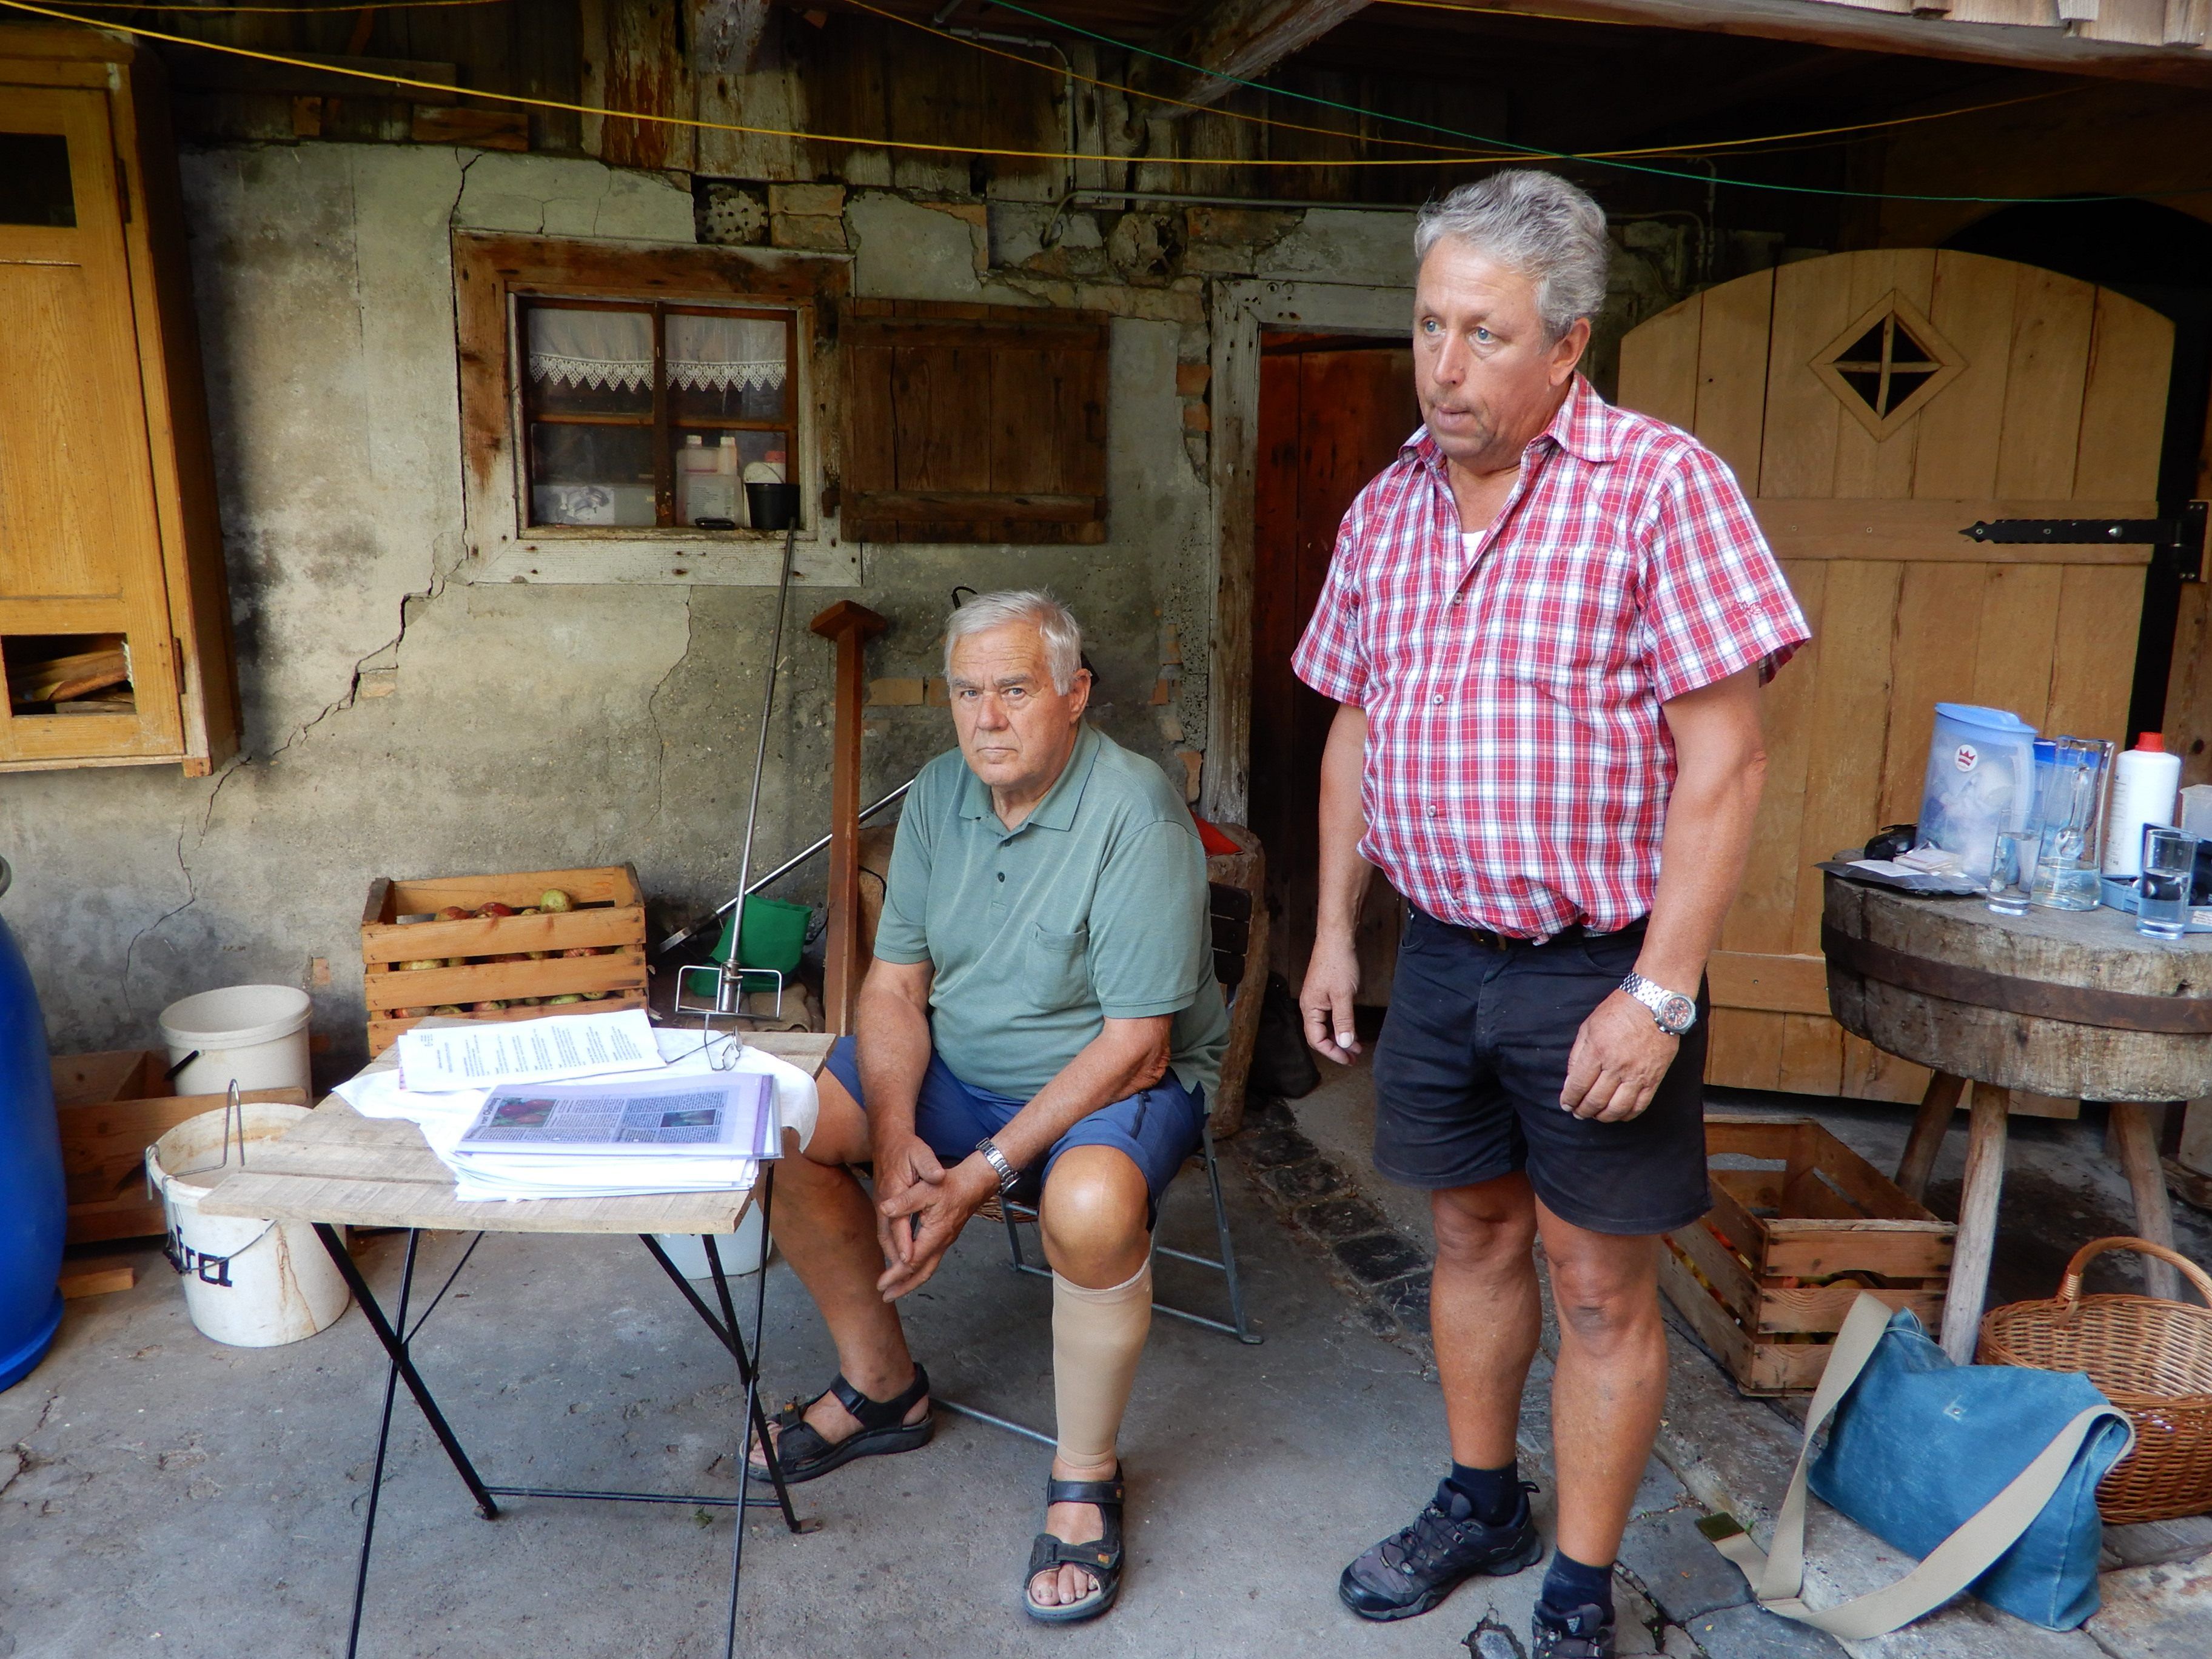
1094,908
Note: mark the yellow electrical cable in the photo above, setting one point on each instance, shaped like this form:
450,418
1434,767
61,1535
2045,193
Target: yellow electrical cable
295,11
447,90
444,90
1515,11
1457,155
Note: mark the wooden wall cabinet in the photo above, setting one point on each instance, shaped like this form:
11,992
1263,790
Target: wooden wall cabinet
114,624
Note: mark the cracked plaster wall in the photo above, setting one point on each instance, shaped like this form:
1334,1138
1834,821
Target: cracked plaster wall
400,722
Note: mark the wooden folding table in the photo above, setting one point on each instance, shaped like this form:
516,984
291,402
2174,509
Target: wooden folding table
337,1169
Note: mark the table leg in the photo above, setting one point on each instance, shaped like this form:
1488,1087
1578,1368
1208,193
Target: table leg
399,1366
1925,1143
1977,1224
2135,1129
396,1346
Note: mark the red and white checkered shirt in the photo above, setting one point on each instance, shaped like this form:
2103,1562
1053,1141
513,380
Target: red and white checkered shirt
1517,764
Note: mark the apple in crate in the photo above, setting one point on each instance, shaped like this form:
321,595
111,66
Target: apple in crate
553,899
456,913
495,909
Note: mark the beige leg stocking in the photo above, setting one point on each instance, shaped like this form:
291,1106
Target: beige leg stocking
1096,1339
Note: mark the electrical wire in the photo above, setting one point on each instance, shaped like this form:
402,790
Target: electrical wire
292,11
1535,152
1339,133
948,148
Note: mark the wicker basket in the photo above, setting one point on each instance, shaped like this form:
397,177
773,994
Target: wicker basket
2152,1357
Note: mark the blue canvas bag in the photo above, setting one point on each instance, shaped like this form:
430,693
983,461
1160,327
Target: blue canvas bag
1988,1473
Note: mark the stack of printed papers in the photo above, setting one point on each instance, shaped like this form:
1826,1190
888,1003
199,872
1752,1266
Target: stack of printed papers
657,1134
679,1159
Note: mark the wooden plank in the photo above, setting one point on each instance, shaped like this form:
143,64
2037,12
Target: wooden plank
2124,400
2019,617
97,1079
1935,650
2047,369
615,969
1812,301
1762,920
96,1281
1972,303
1926,531
1777,984
1850,727
1242,39
1812,1054
1723,1270
1732,348
1815,1249
1659,363
1925,1144
598,926
1744,1050
480,129
1866,467
1977,1226
645,72
1757,1367
2093,670
847,627
1823,1308
611,884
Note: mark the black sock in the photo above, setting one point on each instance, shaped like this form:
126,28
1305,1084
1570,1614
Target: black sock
1492,1495
1569,1584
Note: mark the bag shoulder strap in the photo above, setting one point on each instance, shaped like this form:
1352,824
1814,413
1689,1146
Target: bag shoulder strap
1777,1577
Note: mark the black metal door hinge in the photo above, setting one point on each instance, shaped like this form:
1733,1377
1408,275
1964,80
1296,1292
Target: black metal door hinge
2178,541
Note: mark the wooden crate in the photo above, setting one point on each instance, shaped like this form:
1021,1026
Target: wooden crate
609,919
111,1107
1767,1277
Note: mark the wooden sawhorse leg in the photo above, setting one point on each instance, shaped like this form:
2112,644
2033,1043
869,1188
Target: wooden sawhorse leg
2136,1125
1926,1141
1977,1201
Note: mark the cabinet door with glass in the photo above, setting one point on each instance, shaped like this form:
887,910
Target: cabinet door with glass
111,655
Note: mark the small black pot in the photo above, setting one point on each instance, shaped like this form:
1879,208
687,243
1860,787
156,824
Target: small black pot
772,506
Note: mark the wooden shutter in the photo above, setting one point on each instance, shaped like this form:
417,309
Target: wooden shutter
973,424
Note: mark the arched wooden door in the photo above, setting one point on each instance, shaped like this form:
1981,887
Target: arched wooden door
1872,405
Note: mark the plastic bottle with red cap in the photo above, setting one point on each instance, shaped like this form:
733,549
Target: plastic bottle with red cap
2146,787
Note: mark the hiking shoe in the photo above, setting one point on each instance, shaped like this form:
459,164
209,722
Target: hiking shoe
1415,1568
1585,1633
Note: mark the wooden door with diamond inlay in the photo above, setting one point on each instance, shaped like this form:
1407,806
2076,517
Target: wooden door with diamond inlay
1873,405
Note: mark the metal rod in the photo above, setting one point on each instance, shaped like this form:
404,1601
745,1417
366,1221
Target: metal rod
704,1502
779,871
995,1422
760,752
376,1470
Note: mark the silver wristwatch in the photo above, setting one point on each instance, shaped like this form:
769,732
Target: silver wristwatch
1671,1011
1007,1174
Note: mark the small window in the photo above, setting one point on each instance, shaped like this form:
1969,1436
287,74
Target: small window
627,411
654,415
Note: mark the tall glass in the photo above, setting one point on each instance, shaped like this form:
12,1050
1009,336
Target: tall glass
2169,859
2071,812
2012,872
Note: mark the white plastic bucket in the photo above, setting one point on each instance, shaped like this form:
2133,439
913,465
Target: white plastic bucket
253,1035
252,1284
740,1251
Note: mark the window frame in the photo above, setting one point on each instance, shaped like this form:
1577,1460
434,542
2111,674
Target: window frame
495,277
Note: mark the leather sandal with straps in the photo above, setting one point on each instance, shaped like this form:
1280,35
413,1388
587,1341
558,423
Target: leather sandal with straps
802,1453
1101,1559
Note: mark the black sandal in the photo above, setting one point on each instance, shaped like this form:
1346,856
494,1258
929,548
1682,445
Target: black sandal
803,1454
1101,1559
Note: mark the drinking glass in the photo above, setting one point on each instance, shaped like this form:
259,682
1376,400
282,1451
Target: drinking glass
2069,812
2012,872
2162,890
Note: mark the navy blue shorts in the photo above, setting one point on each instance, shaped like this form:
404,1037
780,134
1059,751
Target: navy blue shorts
1470,1064
1158,1127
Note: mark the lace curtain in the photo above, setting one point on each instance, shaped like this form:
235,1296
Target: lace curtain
612,350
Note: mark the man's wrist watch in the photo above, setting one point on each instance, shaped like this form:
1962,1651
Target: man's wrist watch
1006,1173
1673,1012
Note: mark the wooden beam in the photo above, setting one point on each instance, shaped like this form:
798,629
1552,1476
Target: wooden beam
1241,38
725,35
1841,23
849,627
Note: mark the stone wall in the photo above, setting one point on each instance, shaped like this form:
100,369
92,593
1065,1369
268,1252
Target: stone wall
402,722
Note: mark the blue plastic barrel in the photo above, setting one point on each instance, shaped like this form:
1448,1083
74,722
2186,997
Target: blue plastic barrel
33,1210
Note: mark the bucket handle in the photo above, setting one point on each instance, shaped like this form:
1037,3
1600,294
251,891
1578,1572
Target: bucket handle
2070,1287
233,1108
170,1076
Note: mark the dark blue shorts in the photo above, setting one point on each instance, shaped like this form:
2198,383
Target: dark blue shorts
1470,1064
1158,1127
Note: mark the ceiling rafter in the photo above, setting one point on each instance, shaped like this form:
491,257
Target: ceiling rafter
1241,38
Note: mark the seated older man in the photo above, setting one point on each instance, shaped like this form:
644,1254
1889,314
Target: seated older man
1042,1007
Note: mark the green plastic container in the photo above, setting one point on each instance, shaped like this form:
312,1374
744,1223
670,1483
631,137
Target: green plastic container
774,934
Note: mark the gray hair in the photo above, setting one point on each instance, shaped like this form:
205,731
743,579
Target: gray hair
1054,623
1537,224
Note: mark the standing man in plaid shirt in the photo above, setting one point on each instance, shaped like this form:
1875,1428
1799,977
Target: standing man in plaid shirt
1545,626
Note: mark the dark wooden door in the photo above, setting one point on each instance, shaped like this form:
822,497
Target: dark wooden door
1332,413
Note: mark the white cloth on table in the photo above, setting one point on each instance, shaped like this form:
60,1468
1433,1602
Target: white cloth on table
445,1118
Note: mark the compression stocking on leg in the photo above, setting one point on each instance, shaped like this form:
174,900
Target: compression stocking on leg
1098,1337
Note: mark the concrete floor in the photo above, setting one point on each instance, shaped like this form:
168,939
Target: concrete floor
165,1495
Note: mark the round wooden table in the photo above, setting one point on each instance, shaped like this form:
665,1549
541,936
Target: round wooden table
2070,1003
